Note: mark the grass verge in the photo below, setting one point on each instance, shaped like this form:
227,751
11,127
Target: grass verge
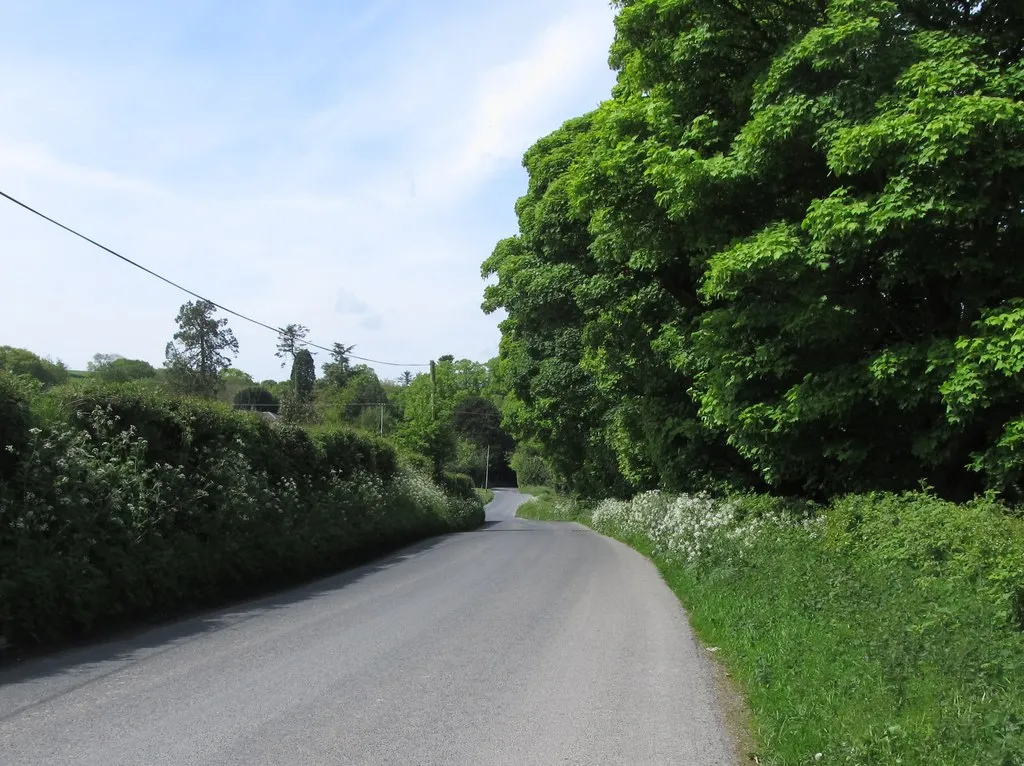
485,495
881,630
544,505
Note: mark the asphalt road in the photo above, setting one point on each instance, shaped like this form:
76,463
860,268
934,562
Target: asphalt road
520,643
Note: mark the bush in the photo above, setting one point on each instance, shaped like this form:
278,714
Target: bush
15,420
127,503
19,361
123,370
974,547
256,398
531,469
458,484
359,451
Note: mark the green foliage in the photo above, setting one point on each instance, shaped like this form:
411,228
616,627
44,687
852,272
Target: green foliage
530,467
296,411
983,393
194,367
451,418
20,361
337,371
303,375
359,451
362,388
290,341
116,502
15,419
784,254
256,398
546,505
974,547
116,369
458,485
884,629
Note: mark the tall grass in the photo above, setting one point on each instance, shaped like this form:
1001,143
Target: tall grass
884,629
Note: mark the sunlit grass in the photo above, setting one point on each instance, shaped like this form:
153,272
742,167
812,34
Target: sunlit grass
856,640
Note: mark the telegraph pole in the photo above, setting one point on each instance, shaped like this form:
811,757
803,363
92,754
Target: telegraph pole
382,418
487,467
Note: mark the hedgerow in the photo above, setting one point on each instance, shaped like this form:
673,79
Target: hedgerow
117,503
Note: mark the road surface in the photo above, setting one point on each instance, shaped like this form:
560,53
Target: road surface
519,643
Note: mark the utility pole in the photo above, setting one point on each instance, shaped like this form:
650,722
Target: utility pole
487,467
382,418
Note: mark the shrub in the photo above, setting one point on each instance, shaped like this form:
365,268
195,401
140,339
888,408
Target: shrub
458,484
358,451
975,546
15,420
19,361
119,503
256,398
531,469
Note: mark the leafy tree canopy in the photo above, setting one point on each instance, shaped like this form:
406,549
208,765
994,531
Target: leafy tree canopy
303,375
289,341
784,252
112,368
337,371
20,361
202,352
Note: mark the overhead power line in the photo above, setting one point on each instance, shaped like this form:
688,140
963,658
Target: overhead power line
172,283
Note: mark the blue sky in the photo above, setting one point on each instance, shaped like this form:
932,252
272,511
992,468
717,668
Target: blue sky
343,165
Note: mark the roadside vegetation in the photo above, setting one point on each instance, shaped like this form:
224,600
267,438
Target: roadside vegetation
765,322
881,629
117,504
544,504
129,492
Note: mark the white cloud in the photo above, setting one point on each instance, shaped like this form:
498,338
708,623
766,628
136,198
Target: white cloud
362,210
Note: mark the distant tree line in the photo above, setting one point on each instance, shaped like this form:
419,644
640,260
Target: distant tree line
448,421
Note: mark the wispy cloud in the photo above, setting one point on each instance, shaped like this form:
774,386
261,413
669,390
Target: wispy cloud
345,170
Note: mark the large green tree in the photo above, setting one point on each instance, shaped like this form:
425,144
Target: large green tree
783,251
22,362
303,375
202,351
112,368
290,340
339,368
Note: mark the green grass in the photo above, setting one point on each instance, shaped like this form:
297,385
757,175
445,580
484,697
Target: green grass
485,495
544,507
886,641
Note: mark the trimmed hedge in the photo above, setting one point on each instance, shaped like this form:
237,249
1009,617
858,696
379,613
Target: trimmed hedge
116,503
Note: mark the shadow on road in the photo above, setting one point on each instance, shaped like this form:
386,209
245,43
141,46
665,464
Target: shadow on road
136,644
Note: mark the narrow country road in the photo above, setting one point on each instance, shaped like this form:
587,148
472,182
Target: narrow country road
519,643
